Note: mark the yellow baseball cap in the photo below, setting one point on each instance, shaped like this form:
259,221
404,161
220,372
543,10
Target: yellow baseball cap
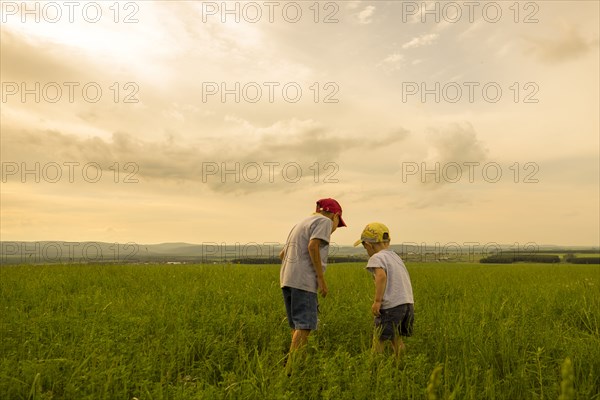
373,233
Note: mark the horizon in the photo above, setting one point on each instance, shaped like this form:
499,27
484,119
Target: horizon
252,253
333,242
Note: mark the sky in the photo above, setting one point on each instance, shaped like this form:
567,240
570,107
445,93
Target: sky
190,121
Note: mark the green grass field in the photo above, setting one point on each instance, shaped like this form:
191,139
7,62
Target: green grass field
219,331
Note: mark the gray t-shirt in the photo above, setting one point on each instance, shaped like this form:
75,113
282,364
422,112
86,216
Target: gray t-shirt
296,268
398,289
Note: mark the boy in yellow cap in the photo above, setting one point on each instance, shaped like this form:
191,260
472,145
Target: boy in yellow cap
393,306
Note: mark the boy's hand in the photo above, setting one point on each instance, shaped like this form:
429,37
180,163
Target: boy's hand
375,308
322,287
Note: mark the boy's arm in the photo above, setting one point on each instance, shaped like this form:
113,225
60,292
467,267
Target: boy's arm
315,258
380,283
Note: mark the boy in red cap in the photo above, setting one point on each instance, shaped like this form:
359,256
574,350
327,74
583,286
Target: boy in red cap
303,262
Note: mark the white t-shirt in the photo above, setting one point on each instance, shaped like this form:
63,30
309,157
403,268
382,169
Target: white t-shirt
296,268
398,289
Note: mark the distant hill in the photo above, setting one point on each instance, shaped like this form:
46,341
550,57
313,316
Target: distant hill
41,252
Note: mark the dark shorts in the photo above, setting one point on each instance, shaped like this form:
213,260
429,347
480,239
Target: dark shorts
395,320
301,307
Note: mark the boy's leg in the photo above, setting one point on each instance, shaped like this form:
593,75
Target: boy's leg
398,346
391,325
299,339
382,332
378,345
302,312
403,329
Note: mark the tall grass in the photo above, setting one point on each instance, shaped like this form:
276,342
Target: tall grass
219,332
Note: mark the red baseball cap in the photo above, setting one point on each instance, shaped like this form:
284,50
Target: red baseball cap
332,206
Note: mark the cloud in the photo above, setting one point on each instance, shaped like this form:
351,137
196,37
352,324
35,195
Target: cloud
364,17
458,144
294,143
423,40
23,59
569,45
445,197
471,30
352,4
393,62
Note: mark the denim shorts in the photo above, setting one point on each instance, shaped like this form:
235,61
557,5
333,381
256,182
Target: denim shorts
301,307
395,320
